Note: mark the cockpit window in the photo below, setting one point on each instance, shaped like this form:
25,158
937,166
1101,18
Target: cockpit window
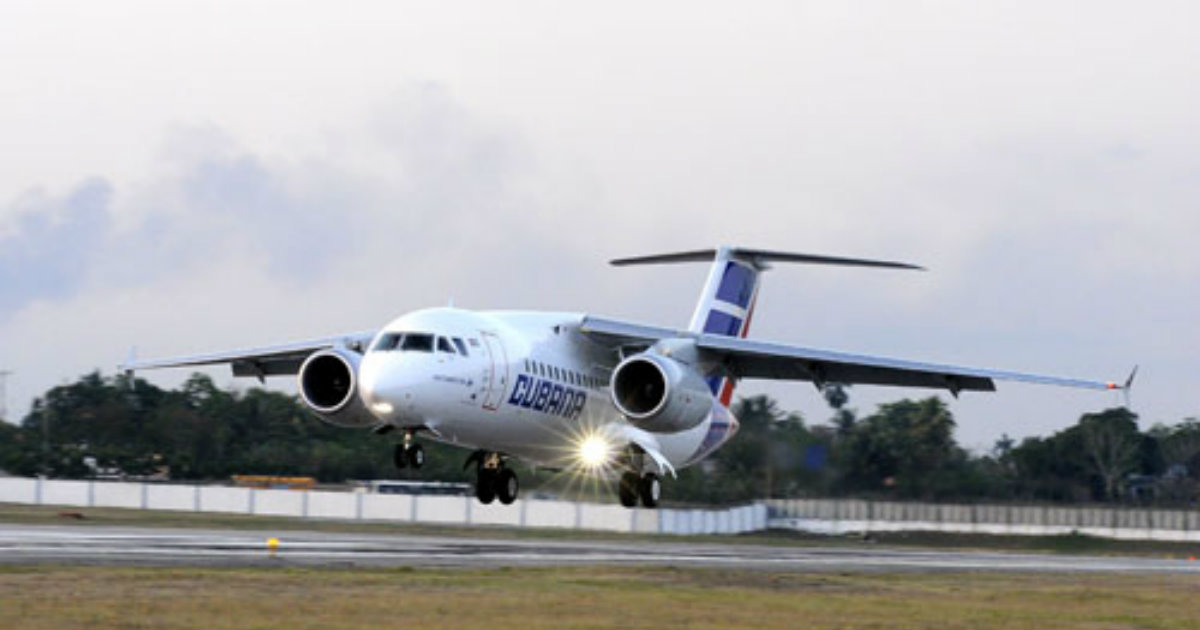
443,345
462,347
388,342
417,342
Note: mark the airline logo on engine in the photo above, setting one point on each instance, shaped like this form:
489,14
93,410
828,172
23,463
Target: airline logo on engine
547,397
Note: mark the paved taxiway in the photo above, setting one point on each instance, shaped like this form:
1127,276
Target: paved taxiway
25,544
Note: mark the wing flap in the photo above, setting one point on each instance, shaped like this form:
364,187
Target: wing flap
757,359
745,358
750,359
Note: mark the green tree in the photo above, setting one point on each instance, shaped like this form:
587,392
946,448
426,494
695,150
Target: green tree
905,449
766,458
1111,445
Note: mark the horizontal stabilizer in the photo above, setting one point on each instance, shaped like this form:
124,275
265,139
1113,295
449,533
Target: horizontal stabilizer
759,258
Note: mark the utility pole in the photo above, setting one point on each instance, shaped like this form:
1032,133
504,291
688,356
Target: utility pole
4,374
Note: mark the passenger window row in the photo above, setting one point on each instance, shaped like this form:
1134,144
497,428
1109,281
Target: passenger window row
422,342
561,374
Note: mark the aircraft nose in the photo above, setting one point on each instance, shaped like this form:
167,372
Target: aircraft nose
384,386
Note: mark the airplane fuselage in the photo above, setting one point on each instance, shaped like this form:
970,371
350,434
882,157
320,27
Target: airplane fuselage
527,384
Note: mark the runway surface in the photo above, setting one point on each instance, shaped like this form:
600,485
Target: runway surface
25,544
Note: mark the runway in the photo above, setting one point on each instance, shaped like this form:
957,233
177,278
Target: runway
58,544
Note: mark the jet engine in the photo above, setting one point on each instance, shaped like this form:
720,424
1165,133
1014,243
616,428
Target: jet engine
660,394
329,385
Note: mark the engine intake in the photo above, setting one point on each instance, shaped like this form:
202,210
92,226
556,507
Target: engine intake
660,394
329,386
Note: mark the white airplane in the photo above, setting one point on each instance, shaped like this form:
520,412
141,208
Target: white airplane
614,399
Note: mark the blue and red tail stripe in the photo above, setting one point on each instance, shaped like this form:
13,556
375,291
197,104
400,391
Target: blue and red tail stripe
729,314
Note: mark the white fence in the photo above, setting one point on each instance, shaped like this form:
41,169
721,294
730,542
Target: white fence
381,507
843,516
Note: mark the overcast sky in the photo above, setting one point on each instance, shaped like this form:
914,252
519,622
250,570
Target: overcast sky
193,176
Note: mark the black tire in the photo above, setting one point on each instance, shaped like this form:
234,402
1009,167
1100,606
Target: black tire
416,456
485,486
650,489
400,457
627,490
507,486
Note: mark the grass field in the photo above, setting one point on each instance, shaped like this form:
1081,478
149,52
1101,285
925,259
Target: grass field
592,597
51,596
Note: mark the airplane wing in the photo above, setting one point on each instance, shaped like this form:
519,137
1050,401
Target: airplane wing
261,362
744,358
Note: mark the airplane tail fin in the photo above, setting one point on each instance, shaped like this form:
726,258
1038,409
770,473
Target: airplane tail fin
726,304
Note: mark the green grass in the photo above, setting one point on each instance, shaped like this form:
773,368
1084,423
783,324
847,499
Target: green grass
591,597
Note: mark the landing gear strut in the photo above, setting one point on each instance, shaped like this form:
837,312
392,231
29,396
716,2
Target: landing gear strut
493,479
633,487
409,453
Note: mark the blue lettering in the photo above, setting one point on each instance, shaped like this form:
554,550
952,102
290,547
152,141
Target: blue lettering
519,389
556,399
539,403
580,401
568,402
530,394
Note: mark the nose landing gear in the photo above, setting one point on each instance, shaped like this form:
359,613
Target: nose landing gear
409,453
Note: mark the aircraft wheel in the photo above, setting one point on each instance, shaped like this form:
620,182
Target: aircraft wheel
650,489
627,489
507,486
485,486
400,457
416,456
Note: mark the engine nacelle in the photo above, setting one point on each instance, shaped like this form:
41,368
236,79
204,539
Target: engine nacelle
660,394
329,385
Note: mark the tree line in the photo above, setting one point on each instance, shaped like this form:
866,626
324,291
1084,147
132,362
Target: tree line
903,450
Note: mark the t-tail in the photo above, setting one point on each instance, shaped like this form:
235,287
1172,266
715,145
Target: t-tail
726,304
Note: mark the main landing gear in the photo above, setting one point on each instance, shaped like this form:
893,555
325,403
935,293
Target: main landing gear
409,453
493,478
635,484
631,488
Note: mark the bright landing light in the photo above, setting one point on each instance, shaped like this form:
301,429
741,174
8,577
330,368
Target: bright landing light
594,451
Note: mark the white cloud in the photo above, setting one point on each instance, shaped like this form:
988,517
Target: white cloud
221,174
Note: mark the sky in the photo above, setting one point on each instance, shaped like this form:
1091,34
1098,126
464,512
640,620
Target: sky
195,176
